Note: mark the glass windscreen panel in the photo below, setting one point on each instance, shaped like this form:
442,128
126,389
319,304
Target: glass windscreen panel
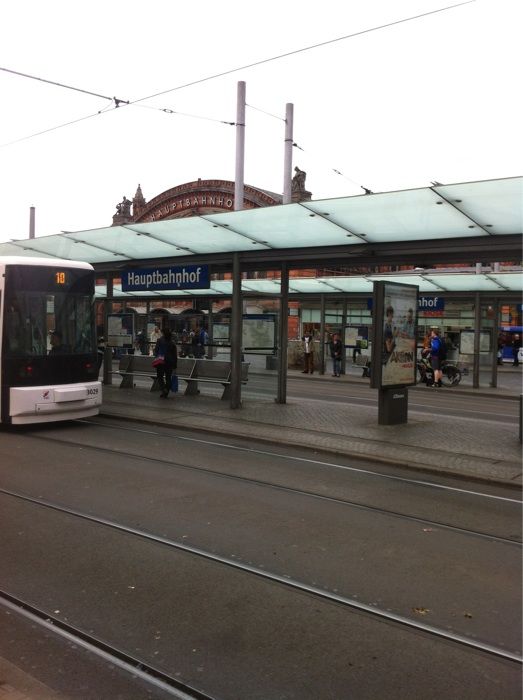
49,312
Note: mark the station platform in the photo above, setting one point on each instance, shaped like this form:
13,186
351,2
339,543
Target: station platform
431,442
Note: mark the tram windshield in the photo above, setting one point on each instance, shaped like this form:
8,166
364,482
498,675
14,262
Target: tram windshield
39,322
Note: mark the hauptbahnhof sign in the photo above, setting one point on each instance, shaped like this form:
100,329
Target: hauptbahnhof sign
156,278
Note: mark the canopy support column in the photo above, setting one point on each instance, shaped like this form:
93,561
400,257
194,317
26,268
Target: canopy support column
495,334
477,336
321,368
236,333
283,333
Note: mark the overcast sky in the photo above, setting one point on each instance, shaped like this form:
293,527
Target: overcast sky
435,98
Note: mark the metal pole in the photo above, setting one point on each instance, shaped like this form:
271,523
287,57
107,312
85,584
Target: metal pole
287,160
210,333
108,353
322,335
477,332
283,334
495,333
31,222
342,337
240,147
236,333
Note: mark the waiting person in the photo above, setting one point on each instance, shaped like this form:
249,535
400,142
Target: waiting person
57,347
198,342
308,354
336,350
166,360
141,343
516,347
501,345
156,334
186,343
100,351
436,351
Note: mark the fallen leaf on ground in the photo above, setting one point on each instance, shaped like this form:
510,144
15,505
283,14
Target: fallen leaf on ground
421,611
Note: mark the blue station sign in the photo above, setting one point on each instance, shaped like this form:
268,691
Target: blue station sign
424,304
156,278
431,304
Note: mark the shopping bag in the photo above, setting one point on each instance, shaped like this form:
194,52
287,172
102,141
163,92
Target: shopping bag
174,383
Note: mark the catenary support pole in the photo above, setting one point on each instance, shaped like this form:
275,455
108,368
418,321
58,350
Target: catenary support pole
283,332
31,222
236,333
287,160
240,147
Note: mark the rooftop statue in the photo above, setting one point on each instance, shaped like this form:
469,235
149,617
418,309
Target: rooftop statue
298,181
123,208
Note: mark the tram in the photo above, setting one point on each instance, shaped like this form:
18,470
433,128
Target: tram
48,350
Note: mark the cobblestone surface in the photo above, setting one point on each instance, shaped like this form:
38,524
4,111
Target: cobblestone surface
475,448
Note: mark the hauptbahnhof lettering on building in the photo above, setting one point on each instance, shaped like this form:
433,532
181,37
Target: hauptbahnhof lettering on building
191,199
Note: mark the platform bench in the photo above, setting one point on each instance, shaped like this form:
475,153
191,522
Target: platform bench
190,370
363,361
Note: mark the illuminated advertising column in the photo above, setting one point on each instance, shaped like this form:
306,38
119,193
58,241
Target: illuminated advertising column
393,366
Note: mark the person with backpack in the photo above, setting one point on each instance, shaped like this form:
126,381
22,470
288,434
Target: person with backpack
437,353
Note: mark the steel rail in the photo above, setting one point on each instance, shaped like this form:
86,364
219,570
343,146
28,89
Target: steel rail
284,580
107,652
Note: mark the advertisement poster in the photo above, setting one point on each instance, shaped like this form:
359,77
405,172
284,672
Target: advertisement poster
397,316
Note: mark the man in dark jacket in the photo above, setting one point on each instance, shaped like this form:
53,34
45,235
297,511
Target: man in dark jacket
166,349
336,350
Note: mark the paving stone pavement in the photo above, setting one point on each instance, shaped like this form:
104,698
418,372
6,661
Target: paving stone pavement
474,448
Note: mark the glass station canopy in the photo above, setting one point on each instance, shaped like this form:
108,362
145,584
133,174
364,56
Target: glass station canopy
476,209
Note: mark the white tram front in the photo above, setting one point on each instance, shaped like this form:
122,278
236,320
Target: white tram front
48,362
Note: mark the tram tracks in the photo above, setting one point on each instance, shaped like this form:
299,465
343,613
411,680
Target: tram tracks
278,579
430,523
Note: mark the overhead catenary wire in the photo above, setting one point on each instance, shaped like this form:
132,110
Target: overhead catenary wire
119,102
168,110
303,49
334,170
116,100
